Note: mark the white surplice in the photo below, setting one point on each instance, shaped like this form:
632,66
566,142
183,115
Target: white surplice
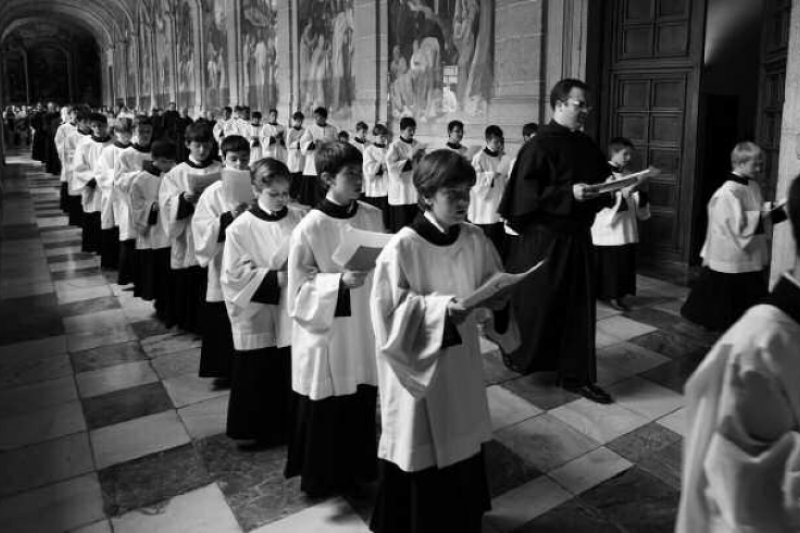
85,168
74,138
144,195
315,135
434,410
491,178
613,227
331,356
401,190
62,134
128,166
295,160
375,179
106,184
277,149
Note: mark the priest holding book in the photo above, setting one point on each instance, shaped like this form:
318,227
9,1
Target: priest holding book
551,202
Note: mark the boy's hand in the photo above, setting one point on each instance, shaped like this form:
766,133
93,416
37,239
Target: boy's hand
352,279
456,311
581,192
283,279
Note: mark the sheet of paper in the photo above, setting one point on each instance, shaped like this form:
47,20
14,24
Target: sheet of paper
496,284
359,249
237,186
197,183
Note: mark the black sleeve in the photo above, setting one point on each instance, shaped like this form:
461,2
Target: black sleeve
268,292
451,336
623,205
152,217
343,302
408,167
225,220
778,215
380,171
502,319
92,183
272,141
185,208
312,146
644,199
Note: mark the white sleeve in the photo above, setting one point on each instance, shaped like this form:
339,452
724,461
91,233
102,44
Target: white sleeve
312,294
168,202
206,226
240,276
741,225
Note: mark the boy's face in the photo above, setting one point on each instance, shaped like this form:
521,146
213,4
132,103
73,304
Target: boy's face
297,123
456,134
276,196
144,134
255,121
163,164
408,133
237,160
495,144
450,205
99,129
361,134
123,137
382,139
752,167
321,120
622,157
199,151
83,125
71,116
273,118
347,183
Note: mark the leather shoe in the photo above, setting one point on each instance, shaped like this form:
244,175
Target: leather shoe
591,392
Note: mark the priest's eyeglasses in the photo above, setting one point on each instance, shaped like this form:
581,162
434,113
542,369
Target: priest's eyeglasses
579,104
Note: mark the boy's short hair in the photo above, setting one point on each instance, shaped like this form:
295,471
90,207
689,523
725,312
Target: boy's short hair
83,114
343,136
273,110
493,132
743,152
142,120
298,115
617,144
793,207
272,170
530,129
362,126
441,169
227,109
332,156
163,149
453,124
321,111
98,118
200,132
238,108
123,125
561,90
407,122
256,114
234,143
379,130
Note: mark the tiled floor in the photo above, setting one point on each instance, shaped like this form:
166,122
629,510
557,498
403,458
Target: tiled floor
104,425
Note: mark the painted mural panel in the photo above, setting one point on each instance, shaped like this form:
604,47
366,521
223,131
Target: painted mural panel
164,54
217,86
133,68
120,72
259,54
184,29
441,57
146,54
326,56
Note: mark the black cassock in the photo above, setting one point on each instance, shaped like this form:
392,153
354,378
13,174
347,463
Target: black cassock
555,307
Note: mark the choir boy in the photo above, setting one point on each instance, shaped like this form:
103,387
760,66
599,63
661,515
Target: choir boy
222,123
491,168
434,412
82,130
254,136
376,176
214,213
360,138
455,134
295,160
152,242
401,157
741,460
109,223
127,168
62,133
86,174
319,132
254,281
343,137
333,442
236,125
273,137
177,201
736,251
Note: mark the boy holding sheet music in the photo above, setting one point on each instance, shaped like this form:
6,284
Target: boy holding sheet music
254,281
333,442
178,196
218,206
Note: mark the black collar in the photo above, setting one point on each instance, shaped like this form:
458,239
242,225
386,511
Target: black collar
263,215
360,141
786,297
272,123
490,153
376,145
149,166
139,148
101,139
741,180
434,235
338,211
84,132
454,146
120,145
407,141
297,128
205,164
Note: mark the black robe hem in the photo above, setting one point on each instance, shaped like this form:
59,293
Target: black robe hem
717,300
216,353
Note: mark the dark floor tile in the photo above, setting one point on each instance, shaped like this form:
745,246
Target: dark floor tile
506,470
253,481
16,195
695,333
54,214
644,441
149,328
60,227
637,501
152,479
674,374
76,274
105,356
671,344
28,318
63,244
540,389
84,307
665,464
126,404
653,317
494,370
15,232
78,256
572,517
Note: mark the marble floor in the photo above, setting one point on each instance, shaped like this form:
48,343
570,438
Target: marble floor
105,426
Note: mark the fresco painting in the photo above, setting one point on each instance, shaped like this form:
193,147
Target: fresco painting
146,55
133,69
163,55
259,54
217,88
184,29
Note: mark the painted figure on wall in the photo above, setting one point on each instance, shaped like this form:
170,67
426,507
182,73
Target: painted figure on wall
442,52
184,28
326,56
120,71
216,57
146,55
259,54
133,69
162,53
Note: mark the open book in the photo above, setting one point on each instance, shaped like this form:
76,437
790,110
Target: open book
237,187
359,249
497,284
617,185
197,183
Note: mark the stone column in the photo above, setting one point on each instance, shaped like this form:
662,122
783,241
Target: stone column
784,256
566,45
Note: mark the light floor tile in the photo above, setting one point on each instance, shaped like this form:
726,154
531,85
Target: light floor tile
37,396
506,408
115,378
62,250
603,423
188,389
104,526
77,294
60,507
207,418
521,505
623,328
135,311
95,322
94,280
159,345
177,364
201,511
41,425
645,397
590,470
675,421
602,340
630,357
332,516
86,341
66,266
137,438
45,463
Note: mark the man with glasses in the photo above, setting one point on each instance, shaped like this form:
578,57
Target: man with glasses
547,201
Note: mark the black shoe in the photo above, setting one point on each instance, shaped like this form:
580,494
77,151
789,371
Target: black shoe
590,392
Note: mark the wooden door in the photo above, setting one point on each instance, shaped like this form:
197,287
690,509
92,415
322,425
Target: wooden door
652,65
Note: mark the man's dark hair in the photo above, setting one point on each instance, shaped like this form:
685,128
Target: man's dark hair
142,120
332,156
407,122
163,148
530,129
493,132
561,90
273,110
98,118
234,143
200,132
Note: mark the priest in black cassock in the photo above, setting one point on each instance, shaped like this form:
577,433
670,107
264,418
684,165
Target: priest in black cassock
548,204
